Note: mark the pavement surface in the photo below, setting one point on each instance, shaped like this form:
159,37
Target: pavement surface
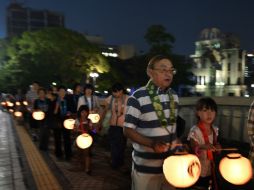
11,170
72,175
24,167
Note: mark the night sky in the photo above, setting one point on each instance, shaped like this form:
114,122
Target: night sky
126,21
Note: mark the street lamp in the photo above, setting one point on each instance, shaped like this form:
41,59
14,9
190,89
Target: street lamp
94,75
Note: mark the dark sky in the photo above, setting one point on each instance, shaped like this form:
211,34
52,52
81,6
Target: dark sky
126,21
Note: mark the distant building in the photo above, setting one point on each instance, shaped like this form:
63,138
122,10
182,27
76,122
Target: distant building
219,64
20,19
120,51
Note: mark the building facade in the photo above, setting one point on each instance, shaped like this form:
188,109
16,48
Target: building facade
21,19
219,64
124,51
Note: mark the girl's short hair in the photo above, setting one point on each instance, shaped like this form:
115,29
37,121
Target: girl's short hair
206,102
82,108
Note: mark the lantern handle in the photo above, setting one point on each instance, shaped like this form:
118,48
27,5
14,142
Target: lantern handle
185,146
226,149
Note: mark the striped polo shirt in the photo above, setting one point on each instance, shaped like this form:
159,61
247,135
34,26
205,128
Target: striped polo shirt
141,116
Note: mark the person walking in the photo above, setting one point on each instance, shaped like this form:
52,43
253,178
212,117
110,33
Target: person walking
63,109
84,125
116,103
42,103
150,123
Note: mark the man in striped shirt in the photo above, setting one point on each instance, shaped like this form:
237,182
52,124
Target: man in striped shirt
250,129
150,123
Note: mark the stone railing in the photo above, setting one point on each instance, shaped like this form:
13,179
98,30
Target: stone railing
231,117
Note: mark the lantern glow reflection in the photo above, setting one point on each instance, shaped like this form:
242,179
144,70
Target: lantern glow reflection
182,170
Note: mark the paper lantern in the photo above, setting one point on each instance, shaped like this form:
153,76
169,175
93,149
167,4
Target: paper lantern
18,114
11,110
84,141
3,103
38,115
18,104
236,169
182,170
69,123
25,103
9,104
94,117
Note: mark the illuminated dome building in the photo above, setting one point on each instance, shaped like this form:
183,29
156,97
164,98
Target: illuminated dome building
219,64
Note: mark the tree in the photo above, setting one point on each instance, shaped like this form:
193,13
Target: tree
159,40
161,43
51,54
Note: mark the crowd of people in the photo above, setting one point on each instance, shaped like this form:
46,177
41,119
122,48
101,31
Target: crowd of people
149,118
58,105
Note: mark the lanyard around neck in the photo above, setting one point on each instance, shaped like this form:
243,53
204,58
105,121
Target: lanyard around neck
158,105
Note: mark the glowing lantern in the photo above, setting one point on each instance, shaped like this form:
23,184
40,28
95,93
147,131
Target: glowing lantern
9,104
11,110
25,103
69,123
236,169
84,141
18,104
3,103
18,114
38,115
182,170
94,117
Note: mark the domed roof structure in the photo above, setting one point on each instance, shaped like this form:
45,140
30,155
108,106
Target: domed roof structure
211,33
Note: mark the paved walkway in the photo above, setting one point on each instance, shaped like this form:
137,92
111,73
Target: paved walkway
69,174
102,178
11,171
26,168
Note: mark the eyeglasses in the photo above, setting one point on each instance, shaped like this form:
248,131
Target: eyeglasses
166,71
